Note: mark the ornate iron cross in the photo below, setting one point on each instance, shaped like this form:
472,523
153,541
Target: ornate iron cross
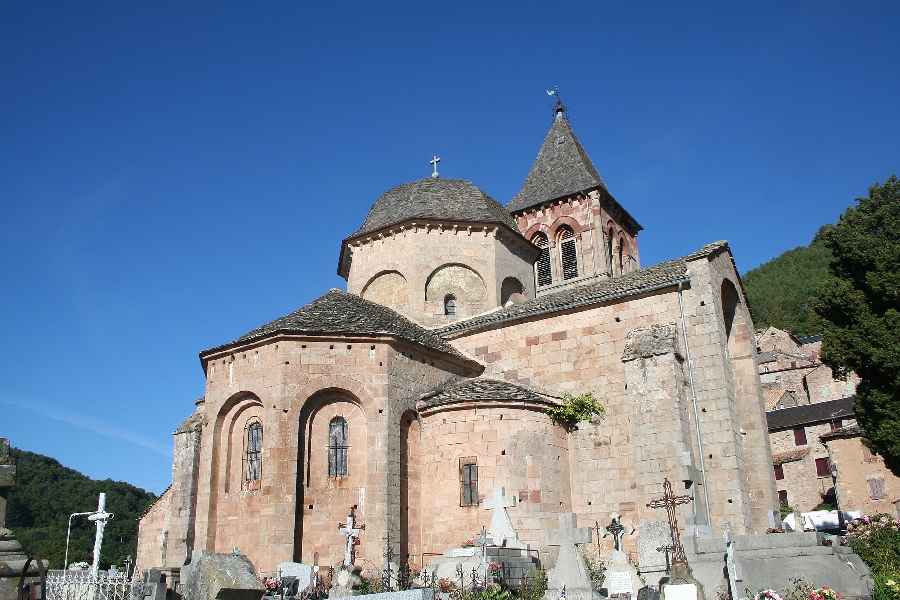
669,501
615,529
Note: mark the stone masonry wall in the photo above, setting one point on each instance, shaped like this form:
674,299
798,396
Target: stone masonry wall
153,534
855,467
417,251
275,382
515,447
580,350
805,489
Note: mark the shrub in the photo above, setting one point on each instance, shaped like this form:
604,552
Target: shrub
887,586
534,586
574,409
877,541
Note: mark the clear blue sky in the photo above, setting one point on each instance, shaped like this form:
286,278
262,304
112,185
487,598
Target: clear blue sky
176,174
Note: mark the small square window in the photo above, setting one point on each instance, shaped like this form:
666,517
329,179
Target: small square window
800,436
823,469
779,472
782,496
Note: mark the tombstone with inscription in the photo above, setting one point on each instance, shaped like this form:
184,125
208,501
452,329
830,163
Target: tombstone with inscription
570,573
12,559
622,580
302,574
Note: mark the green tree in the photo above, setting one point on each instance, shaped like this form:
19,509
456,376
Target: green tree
779,291
859,304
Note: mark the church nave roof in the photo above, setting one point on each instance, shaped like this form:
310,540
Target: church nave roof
661,275
342,313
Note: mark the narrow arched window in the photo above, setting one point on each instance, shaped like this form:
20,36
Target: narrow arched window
449,305
542,266
621,255
254,453
337,448
568,253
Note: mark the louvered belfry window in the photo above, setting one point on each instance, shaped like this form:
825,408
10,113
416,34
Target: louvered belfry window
337,448
254,451
544,275
568,253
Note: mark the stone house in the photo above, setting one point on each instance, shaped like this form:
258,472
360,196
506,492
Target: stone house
861,481
424,386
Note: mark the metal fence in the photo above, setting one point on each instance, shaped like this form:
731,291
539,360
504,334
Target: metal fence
80,585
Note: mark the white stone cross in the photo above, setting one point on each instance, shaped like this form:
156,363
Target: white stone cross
351,531
570,570
434,161
502,529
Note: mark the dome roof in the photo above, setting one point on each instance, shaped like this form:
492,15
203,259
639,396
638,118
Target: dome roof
435,198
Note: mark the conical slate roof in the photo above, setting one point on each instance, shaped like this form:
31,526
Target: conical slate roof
342,313
562,168
435,198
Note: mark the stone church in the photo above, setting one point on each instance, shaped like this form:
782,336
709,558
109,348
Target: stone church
425,385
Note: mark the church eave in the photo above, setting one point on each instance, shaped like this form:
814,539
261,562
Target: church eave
424,409
629,223
344,259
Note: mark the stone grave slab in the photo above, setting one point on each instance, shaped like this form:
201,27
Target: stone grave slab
211,575
653,535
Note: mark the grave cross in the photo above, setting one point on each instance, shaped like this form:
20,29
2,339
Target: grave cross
615,529
570,569
484,541
669,501
434,161
501,525
351,530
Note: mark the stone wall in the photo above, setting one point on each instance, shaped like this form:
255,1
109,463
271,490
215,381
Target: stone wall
293,384
855,467
153,534
580,350
516,447
467,260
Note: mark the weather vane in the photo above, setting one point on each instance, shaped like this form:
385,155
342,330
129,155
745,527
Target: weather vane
559,108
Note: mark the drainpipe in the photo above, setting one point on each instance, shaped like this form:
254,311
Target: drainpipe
687,351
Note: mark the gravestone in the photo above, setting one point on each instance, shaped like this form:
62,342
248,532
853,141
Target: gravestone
679,591
733,566
774,518
211,576
648,593
653,537
502,530
570,575
154,581
346,581
621,576
302,573
12,559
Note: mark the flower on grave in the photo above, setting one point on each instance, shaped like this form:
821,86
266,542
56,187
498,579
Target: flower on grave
824,593
774,530
468,543
272,584
79,566
446,585
768,594
415,571
494,567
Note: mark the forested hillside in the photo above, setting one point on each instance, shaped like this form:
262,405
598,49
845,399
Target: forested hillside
779,291
46,493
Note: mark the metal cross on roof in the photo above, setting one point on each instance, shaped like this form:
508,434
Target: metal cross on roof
669,501
434,161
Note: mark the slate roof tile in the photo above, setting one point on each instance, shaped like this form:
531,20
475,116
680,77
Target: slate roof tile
820,412
667,273
562,168
435,198
475,390
342,313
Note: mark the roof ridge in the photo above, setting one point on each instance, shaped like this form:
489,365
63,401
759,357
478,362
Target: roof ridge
338,312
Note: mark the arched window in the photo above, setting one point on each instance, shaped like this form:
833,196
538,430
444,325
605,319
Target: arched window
337,448
449,304
544,274
609,253
568,253
254,454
